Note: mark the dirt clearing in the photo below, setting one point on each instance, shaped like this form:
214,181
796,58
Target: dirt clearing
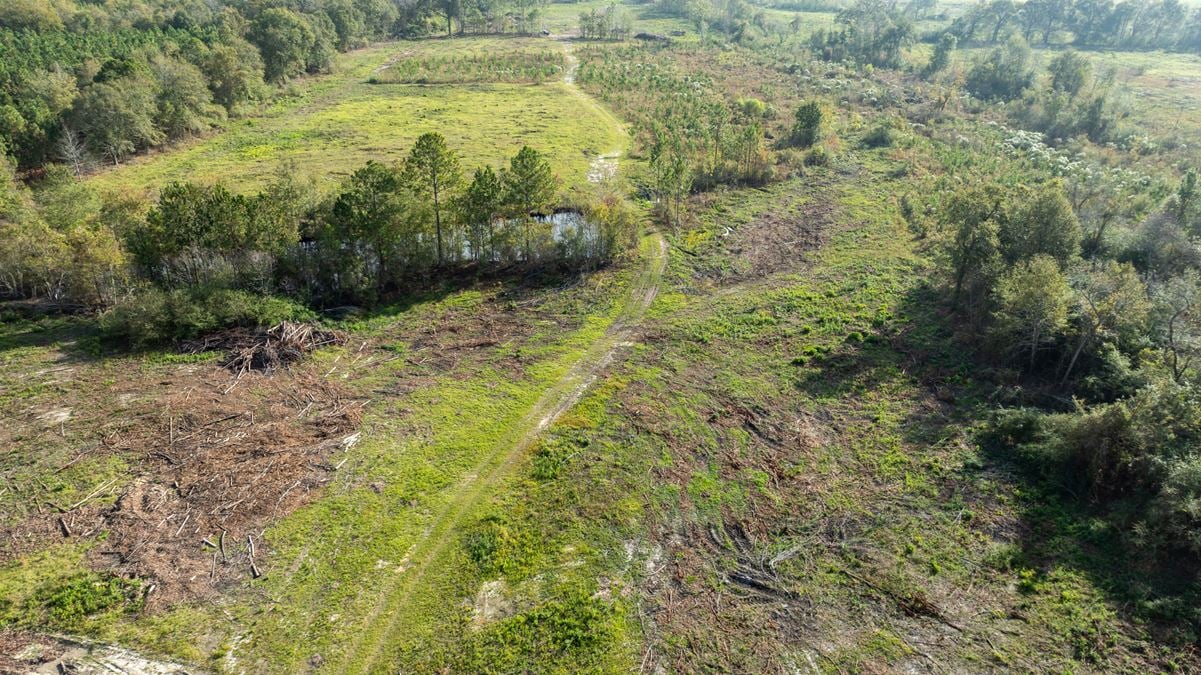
214,460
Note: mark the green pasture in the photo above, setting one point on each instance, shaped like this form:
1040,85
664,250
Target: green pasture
331,126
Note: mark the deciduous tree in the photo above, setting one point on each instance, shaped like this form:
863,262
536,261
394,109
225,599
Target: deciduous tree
285,40
118,117
1033,301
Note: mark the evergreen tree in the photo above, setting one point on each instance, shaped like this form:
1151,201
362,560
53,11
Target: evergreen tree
530,185
432,169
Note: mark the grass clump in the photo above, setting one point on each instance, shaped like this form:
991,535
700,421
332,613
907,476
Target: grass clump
575,629
72,603
881,136
497,546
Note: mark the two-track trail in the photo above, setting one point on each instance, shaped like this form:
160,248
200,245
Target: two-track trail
384,622
387,624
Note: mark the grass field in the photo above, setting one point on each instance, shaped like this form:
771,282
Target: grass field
334,124
748,447
1157,94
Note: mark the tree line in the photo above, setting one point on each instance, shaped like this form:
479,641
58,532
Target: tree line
869,31
83,83
611,23
202,257
1129,24
1097,337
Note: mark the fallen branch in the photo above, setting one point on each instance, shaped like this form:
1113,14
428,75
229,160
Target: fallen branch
914,606
103,486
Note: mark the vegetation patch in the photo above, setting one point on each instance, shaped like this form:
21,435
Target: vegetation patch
509,65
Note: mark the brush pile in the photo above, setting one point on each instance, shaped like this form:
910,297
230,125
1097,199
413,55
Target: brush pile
267,350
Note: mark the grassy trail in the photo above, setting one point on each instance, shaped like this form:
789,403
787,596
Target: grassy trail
381,625
604,166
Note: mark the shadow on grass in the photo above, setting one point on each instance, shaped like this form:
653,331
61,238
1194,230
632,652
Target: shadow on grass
25,326
1156,592
1056,528
78,337
918,344
515,284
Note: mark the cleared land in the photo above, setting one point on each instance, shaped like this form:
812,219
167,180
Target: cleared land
748,449
333,125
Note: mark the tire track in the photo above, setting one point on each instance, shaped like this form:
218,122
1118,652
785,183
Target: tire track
364,653
481,483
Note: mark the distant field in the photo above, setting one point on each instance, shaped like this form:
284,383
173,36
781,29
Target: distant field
335,124
564,17
1164,88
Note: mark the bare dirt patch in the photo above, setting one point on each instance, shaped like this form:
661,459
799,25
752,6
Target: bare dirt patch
215,460
775,242
23,653
762,232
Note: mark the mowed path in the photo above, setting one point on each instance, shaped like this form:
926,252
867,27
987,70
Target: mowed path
385,625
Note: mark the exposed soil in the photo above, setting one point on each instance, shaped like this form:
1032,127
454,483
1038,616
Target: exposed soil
777,241
234,446
215,460
458,341
24,653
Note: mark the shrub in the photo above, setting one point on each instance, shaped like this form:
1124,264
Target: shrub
156,317
881,136
192,217
817,157
1139,460
806,130
1003,74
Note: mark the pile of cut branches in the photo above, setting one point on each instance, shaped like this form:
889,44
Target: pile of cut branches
269,349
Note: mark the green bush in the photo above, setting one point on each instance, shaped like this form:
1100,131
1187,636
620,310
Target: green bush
806,130
1138,460
817,157
67,604
881,136
1002,74
156,317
